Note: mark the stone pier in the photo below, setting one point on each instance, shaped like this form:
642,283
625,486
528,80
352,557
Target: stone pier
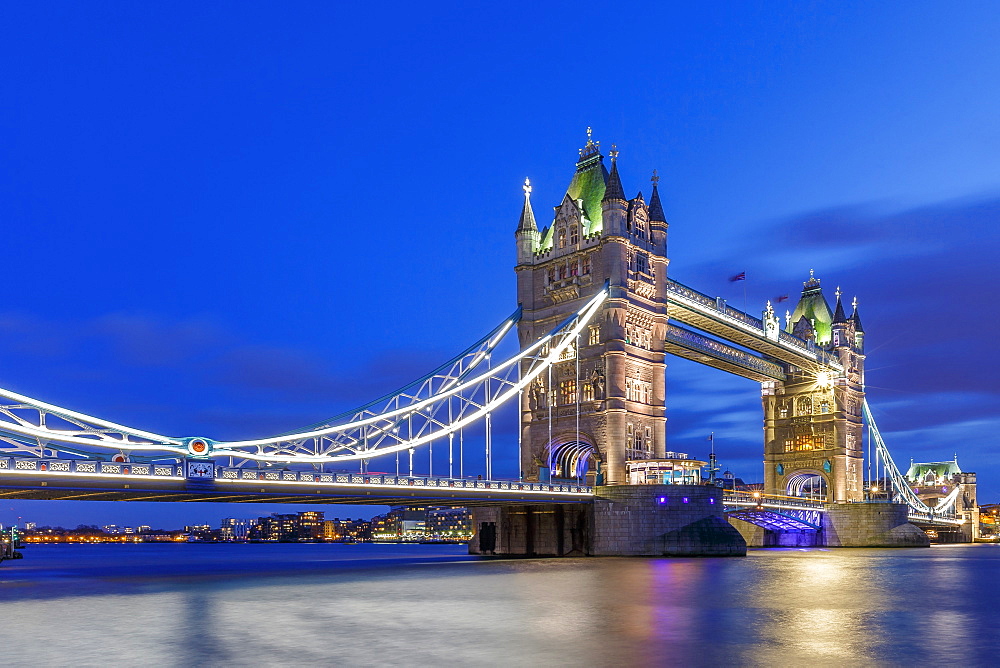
623,520
845,525
870,525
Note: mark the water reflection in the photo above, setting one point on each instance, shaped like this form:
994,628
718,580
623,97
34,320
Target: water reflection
333,605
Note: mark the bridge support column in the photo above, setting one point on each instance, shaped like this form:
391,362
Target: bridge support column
870,525
623,520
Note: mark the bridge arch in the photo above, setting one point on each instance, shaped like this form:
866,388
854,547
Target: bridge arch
571,457
808,484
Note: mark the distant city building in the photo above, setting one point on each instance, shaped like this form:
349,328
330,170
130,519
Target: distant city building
288,528
421,523
450,524
235,529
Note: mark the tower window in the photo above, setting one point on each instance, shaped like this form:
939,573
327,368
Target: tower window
574,268
595,335
562,271
562,238
567,392
552,274
586,265
574,235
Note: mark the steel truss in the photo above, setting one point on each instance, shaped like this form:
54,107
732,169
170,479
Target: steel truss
457,394
902,493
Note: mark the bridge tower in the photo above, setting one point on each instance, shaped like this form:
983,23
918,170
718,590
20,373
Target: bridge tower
604,403
813,429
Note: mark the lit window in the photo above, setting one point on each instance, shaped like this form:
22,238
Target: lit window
562,238
595,335
567,392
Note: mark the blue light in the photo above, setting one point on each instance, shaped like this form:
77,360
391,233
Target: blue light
662,500
711,500
684,499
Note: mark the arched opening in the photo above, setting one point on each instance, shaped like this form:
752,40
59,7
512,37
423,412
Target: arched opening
575,460
808,486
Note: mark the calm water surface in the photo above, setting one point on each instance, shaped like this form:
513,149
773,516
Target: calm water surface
426,605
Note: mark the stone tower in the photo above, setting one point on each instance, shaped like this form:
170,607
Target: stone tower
603,404
812,421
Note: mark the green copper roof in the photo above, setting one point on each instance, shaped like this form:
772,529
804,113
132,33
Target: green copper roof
588,184
945,470
813,307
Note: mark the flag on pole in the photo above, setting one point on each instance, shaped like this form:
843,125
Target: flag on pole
742,276
782,298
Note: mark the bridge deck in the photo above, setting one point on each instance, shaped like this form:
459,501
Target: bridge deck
690,307
80,480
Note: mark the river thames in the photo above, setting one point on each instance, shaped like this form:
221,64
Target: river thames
433,605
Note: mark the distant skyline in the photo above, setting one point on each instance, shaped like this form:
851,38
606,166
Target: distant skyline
233,223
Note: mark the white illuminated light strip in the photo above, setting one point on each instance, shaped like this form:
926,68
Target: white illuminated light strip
174,445
583,317
700,308
586,492
64,412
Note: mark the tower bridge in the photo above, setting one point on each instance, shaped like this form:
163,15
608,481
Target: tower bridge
596,319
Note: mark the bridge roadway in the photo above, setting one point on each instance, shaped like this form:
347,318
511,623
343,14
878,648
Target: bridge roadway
695,309
88,480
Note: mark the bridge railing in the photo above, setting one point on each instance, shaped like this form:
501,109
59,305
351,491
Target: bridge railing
719,308
770,501
171,471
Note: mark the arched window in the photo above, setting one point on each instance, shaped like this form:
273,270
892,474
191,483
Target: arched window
562,238
574,235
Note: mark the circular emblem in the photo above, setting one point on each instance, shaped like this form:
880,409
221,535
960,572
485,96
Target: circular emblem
199,447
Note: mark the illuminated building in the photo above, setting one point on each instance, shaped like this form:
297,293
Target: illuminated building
675,468
813,421
449,524
614,380
233,529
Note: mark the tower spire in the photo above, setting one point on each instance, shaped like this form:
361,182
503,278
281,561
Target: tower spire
527,222
839,316
614,188
855,317
655,208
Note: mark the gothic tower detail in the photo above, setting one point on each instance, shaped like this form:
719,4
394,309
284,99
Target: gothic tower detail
604,404
813,434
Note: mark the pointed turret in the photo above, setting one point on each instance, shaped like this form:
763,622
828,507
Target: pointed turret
655,208
657,221
527,230
614,189
856,319
839,328
614,206
859,331
839,317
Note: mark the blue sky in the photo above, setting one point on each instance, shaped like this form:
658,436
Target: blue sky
234,219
